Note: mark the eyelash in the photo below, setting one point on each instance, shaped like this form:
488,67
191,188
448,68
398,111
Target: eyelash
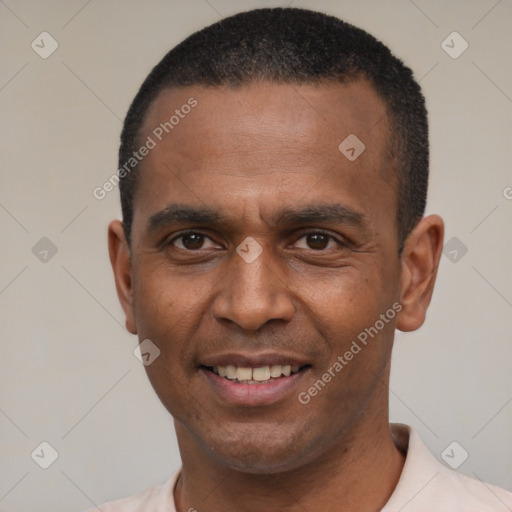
190,232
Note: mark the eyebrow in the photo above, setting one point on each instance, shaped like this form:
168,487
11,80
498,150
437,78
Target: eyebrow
176,213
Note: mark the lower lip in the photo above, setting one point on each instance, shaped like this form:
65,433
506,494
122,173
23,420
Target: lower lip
253,394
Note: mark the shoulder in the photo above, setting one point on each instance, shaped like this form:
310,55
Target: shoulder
456,491
157,497
484,495
425,484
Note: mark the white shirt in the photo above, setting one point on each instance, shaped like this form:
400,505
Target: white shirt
425,485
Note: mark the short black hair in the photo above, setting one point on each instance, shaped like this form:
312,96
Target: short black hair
292,45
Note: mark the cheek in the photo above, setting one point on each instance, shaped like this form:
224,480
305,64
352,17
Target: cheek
163,299
343,301
167,312
347,311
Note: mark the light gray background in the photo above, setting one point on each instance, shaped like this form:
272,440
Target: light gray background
67,372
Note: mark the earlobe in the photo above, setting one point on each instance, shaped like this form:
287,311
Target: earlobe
420,261
120,259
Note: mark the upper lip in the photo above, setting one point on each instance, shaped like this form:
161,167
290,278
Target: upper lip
252,360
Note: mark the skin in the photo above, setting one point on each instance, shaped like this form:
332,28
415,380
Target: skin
250,152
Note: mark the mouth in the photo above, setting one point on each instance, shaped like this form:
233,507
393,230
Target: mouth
259,375
266,381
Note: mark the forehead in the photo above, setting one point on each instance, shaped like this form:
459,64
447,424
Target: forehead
265,141
312,114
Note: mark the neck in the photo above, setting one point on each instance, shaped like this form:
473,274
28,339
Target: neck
359,472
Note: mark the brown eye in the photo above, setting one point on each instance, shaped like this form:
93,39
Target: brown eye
317,241
193,241
190,241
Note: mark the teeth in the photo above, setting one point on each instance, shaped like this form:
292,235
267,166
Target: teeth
255,375
231,371
261,374
244,373
275,370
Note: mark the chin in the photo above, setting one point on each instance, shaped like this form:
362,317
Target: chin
267,451
255,462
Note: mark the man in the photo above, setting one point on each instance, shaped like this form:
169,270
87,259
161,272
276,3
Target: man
274,171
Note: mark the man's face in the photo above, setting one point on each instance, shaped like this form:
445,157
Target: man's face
252,155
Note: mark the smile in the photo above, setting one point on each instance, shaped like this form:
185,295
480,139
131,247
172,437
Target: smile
258,384
260,375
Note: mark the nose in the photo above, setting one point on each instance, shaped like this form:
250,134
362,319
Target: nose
253,293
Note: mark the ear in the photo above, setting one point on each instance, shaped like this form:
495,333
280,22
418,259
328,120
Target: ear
420,261
120,260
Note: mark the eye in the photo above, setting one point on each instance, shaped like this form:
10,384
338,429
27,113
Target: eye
318,240
194,241
190,240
